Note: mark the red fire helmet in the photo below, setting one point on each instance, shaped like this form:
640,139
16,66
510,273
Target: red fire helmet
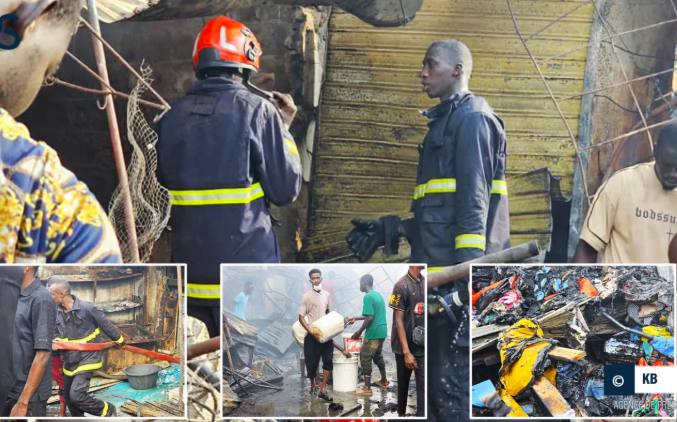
226,43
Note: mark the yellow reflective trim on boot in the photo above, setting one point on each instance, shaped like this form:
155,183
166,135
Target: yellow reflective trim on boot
87,367
105,409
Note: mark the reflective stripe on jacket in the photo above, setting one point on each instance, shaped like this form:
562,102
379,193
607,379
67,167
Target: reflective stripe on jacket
460,202
224,154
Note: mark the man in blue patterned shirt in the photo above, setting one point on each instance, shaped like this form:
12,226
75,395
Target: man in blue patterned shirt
46,214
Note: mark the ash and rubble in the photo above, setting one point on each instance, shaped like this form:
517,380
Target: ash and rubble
584,318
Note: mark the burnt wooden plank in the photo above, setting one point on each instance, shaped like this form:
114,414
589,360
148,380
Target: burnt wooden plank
567,355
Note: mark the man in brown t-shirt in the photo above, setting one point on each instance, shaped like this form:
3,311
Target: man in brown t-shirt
633,217
314,305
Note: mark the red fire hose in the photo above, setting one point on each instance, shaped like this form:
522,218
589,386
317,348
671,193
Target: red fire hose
95,347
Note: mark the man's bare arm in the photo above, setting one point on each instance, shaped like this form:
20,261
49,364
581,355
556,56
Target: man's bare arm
38,368
585,254
336,345
303,322
409,360
367,323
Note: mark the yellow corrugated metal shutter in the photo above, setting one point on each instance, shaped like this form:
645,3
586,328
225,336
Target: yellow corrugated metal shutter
370,127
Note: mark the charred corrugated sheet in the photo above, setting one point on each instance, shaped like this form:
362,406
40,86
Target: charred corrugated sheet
276,338
531,207
241,331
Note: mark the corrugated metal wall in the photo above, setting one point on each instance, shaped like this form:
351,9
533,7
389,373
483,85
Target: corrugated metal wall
366,156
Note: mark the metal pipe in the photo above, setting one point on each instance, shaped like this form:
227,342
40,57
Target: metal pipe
56,81
629,330
450,274
96,32
120,166
351,410
198,349
179,286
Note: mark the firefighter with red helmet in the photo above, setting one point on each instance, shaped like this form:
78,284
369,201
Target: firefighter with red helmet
225,153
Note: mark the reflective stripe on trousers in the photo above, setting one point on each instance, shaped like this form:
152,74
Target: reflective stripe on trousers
499,187
87,367
216,196
204,291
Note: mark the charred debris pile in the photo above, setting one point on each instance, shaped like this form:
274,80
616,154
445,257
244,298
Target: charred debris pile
541,337
254,359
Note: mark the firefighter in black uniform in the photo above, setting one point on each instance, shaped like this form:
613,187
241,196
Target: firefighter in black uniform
225,153
79,321
460,208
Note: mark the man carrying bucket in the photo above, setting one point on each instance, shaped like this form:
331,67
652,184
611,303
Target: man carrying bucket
314,305
375,328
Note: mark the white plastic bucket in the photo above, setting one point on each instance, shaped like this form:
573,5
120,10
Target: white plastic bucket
351,346
345,373
328,327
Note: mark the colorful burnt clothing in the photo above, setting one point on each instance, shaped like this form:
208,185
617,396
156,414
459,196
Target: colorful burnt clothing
46,214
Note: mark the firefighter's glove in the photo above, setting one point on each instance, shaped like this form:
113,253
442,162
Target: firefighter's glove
369,235
366,237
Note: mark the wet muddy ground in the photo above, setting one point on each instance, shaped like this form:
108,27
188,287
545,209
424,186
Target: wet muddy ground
295,400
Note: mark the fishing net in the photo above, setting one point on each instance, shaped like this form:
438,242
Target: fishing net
150,200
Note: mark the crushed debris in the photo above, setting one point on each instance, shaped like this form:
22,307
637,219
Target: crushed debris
555,329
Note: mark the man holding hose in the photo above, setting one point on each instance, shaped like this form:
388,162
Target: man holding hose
79,321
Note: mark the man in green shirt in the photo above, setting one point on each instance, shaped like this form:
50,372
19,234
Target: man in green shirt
375,330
